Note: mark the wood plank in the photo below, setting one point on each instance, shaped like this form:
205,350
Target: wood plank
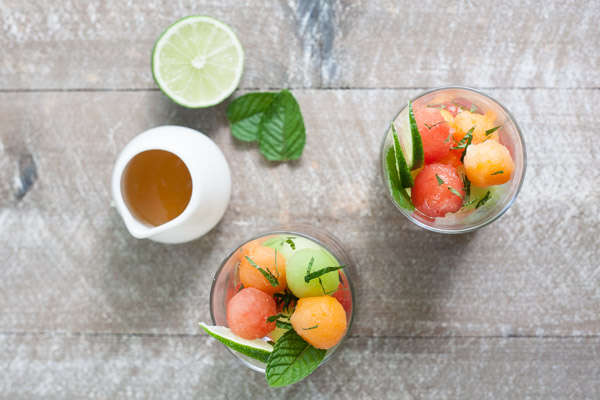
329,43
74,367
69,265
108,44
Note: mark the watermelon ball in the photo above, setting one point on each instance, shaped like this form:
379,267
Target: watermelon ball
431,193
434,132
247,313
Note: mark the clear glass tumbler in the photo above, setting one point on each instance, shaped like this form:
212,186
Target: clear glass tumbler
226,282
468,218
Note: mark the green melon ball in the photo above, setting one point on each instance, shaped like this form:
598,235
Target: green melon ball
296,270
279,243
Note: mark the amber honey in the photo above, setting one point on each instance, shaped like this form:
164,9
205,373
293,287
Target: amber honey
156,186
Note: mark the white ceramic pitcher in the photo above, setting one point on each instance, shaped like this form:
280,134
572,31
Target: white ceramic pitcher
211,183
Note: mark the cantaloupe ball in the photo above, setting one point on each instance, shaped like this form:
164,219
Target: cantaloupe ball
466,120
321,321
248,311
264,257
488,164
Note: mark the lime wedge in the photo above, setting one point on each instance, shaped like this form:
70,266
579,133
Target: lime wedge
198,61
398,192
410,140
406,179
257,349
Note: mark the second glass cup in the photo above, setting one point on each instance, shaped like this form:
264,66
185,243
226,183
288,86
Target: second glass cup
296,243
462,114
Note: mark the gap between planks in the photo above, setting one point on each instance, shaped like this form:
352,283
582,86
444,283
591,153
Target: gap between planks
100,90
199,335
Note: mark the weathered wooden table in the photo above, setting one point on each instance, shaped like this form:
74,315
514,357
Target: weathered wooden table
511,311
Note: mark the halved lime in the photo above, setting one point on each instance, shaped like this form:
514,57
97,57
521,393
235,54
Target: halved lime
198,61
257,349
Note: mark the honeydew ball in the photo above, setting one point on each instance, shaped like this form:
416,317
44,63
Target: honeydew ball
297,267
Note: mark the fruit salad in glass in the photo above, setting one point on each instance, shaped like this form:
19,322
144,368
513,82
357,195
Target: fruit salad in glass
453,160
283,302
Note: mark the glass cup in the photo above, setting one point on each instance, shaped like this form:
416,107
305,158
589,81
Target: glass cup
226,282
467,218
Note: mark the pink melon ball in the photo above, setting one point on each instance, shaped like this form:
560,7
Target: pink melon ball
247,313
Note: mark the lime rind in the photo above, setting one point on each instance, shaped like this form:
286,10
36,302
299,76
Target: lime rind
257,349
399,194
406,179
198,61
416,142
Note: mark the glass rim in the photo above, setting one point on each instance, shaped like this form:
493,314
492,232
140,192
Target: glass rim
493,217
283,231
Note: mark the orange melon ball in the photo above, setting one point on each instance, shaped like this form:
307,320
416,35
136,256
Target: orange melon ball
488,164
321,321
264,257
466,120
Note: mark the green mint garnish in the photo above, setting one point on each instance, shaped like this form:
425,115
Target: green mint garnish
448,138
272,119
439,180
285,299
292,360
454,191
241,287
498,172
314,275
484,200
283,324
312,327
436,124
473,108
267,274
466,188
310,264
490,131
277,316
291,242
464,143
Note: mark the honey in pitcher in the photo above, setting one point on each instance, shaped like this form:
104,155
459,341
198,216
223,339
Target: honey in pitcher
156,186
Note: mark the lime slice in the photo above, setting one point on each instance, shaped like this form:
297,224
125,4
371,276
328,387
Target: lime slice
257,348
398,192
198,61
405,177
410,141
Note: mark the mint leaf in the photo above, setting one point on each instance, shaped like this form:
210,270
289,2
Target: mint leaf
272,279
490,131
282,134
292,360
440,181
246,112
399,194
484,200
314,275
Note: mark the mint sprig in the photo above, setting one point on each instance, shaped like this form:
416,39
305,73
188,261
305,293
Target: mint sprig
292,360
269,276
272,119
245,114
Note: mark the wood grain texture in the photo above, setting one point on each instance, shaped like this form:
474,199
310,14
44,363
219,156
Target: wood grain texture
71,266
328,43
75,366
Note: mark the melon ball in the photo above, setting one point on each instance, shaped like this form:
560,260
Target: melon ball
488,164
247,313
297,269
321,321
264,257
431,193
